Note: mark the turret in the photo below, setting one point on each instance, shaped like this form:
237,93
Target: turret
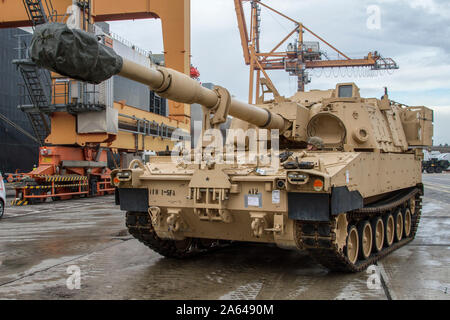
341,117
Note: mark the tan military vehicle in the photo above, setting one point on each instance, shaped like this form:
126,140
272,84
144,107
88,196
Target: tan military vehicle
351,199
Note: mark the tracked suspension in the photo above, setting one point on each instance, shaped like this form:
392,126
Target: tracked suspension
139,225
320,239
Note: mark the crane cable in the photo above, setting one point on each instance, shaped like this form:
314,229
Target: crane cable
17,127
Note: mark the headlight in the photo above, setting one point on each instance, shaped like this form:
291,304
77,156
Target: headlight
123,175
297,177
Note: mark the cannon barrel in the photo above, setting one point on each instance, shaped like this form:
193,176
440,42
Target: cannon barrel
79,55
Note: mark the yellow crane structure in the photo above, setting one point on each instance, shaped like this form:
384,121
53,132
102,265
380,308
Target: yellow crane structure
75,133
298,57
174,16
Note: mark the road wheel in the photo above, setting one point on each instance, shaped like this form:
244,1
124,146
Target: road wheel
412,206
206,243
352,244
438,170
389,231
365,239
407,221
430,170
183,245
2,208
398,225
378,234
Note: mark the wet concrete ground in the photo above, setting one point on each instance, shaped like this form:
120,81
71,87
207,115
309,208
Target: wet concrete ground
40,244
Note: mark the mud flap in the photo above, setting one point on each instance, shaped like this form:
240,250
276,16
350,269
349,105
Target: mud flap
116,196
343,200
309,206
132,199
319,206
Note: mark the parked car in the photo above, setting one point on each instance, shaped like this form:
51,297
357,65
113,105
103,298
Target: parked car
2,196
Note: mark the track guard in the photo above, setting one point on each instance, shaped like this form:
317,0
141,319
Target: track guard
319,207
133,199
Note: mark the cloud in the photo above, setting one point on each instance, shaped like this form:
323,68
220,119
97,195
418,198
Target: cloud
441,121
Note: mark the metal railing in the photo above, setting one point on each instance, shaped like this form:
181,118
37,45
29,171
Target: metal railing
129,44
146,127
22,45
60,91
18,128
43,14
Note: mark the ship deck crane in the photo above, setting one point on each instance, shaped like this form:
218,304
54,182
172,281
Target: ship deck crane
298,57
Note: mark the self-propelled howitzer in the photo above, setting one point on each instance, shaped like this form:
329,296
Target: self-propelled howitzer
348,202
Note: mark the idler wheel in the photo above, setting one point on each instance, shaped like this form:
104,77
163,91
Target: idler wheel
412,206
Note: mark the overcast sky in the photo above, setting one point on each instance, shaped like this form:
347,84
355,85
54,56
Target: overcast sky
415,33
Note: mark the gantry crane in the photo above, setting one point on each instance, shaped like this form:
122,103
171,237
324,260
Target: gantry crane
75,128
299,56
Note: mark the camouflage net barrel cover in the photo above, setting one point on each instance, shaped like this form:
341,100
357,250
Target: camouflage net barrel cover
73,53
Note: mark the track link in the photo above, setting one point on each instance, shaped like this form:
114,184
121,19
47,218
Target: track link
319,238
140,227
